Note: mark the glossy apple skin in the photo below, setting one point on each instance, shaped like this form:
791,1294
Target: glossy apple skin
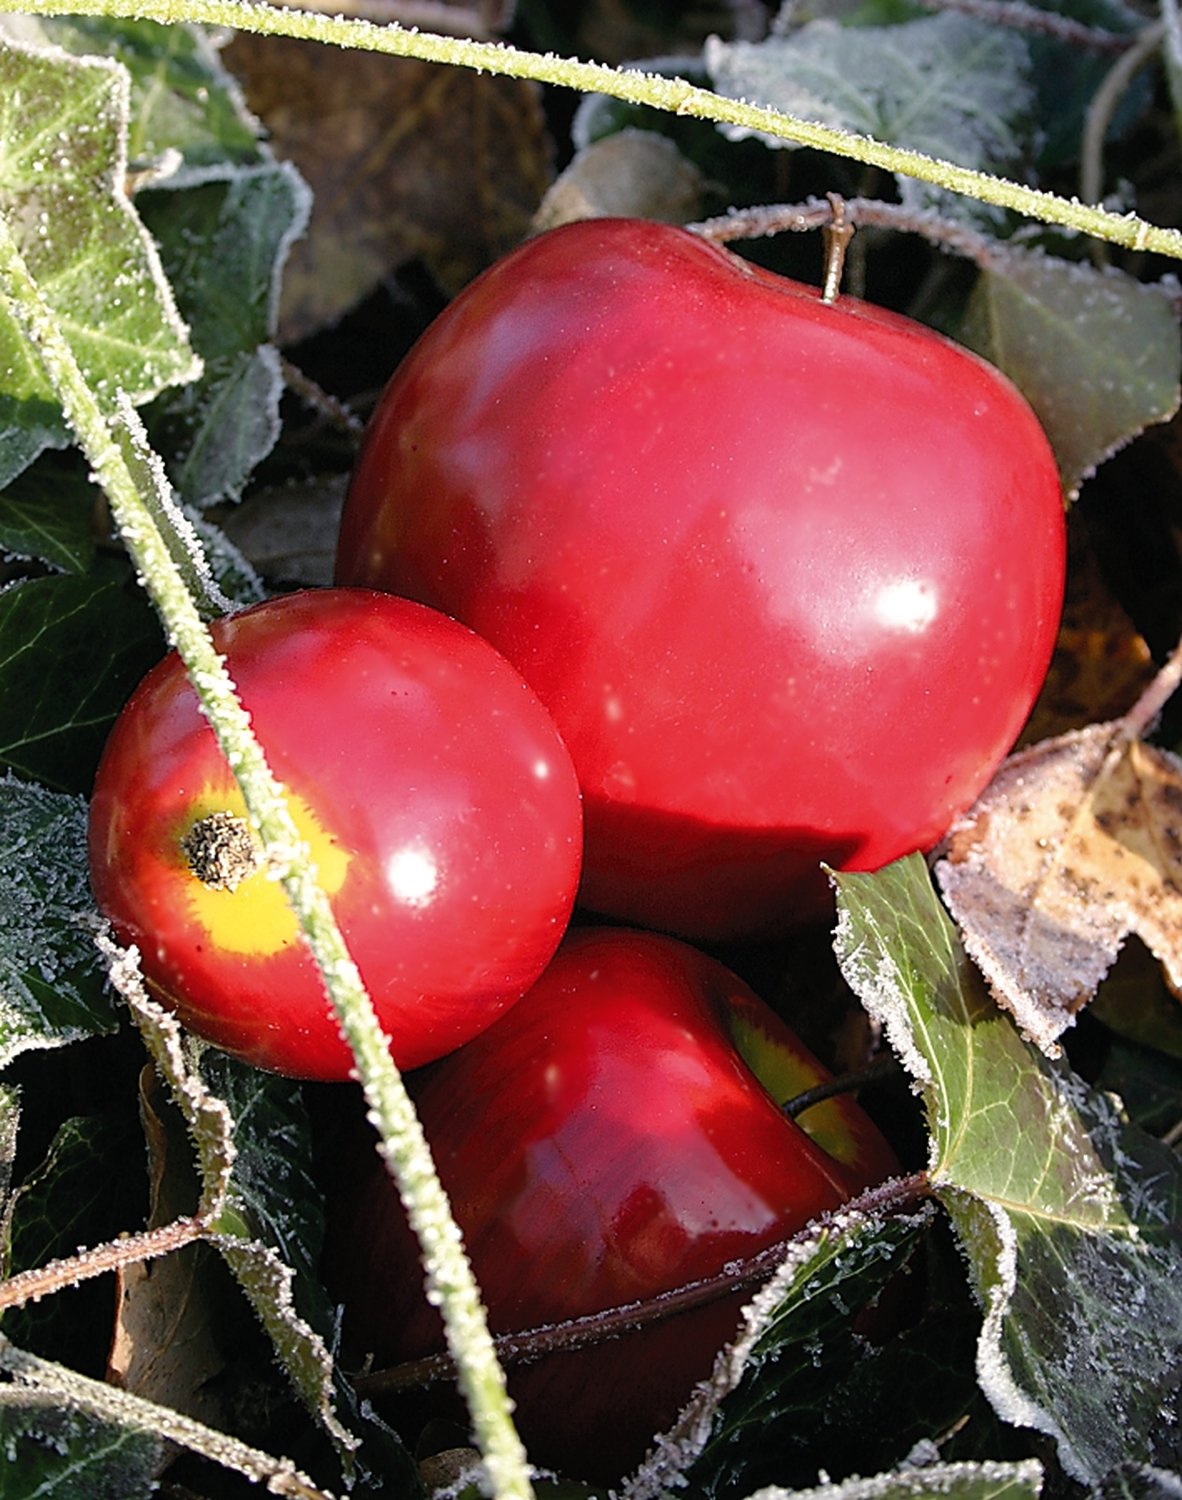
603,1142
787,575
438,800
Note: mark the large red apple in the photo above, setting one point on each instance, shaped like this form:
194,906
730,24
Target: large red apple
787,574
616,1135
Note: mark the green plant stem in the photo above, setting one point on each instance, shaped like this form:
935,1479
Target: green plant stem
675,95
450,1281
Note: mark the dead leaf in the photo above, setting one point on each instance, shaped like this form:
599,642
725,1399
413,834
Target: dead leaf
163,1347
405,159
1101,664
632,174
1076,844
289,532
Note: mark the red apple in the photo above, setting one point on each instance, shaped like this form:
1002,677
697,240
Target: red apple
786,574
610,1138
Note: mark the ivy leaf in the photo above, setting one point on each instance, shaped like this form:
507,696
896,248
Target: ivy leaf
182,98
63,191
51,986
1096,353
1069,1218
224,243
945,85
48,514
71,651
763,1417
963,1481
61,1454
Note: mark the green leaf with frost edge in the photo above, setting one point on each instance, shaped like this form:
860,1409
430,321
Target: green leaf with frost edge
1069,1218
764,1385
51,989
52,1451
959,1481
1096,353
224,241
947,85
63,192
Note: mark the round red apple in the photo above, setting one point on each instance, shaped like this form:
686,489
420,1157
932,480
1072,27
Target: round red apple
787,574
438,802
616,1135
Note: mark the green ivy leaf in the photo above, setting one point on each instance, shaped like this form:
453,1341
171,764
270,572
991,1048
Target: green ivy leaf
48,514
1096,353
946,85
58,1454
224,243
1069,1217
182,98
71,651
764,1417
51,983
62,190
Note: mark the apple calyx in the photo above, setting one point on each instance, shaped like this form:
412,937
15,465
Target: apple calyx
221,850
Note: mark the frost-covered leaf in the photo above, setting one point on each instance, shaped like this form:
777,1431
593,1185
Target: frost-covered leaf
224,243
945,85
1139,1482
63,194
71,651
764,1416
54,1453
963,1481
51,989
1069,1218
1075,844
182,99
252,1154
1096,353
48,513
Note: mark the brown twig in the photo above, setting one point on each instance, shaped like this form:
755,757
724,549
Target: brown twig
569,1334
56,1275
1034,21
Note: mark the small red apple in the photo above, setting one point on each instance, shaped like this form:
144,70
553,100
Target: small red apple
610,1138
434,793
787,574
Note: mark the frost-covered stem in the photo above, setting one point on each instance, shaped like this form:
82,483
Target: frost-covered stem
816,213
450,1282
39,1382
676,95
1034,21
128,1250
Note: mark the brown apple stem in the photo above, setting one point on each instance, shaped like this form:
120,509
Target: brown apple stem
837,235
895,1196
881,1067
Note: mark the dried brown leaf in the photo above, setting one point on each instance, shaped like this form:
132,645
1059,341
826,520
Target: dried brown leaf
632,174
1101,663
405,159
1076,844
163,1346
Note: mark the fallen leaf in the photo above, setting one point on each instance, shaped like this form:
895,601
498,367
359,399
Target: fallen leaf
1101,664
1076,844
632,174
406,160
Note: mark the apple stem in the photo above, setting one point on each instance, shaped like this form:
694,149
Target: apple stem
837,234
882,1067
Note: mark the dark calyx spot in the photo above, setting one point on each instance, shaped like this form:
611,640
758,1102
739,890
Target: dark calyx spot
221,850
